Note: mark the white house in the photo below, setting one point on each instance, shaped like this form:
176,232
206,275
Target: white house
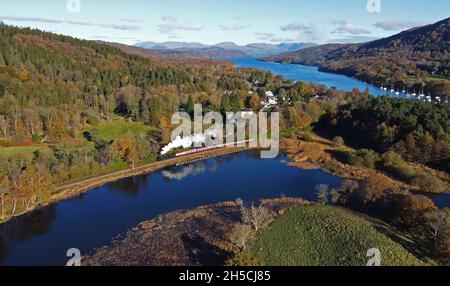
272,101
269,93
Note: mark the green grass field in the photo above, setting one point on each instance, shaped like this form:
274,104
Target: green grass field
112,130
26,151
330,236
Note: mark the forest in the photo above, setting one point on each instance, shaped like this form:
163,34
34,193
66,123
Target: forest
417,131
72,108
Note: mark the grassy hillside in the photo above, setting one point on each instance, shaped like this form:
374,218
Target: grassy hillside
109,131
312,236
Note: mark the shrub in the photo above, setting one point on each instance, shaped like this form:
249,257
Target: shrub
374,188
36,138
411,211
338,141
240,235
394,164
92,120
364,157
429,183
243,258
306,137
343,194
442,248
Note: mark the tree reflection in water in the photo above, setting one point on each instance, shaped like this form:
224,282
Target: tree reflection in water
35,223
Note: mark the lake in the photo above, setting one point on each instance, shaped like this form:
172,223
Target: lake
95,218
309,74
312,74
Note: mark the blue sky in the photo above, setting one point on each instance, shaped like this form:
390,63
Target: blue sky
214,21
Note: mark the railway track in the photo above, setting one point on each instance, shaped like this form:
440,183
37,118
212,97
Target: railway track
145,169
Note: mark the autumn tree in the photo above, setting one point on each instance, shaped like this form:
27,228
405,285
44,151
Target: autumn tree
253,102
374,188
34,186
298,119
127,150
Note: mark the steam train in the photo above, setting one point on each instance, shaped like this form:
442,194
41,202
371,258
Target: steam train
201,150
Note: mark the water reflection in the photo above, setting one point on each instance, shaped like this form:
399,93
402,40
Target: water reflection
92,220
130,187
183,172
23,228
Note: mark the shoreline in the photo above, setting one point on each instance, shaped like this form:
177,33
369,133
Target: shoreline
75,189
315,155
299,157
192,237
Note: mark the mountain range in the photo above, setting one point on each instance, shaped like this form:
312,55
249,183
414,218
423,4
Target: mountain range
227,49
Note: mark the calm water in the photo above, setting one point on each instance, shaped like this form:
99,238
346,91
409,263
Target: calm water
93,219
309,74
442,201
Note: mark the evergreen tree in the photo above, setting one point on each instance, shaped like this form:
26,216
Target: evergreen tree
190,105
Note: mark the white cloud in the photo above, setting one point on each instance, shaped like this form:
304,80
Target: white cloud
345,27
398,25
295,27
352,39
78,23
30,19
233,28
131,20
120,27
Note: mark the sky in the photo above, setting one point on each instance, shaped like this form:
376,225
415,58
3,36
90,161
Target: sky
215,21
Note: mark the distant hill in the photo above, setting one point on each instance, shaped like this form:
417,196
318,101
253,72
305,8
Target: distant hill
227,49
159,54
412,58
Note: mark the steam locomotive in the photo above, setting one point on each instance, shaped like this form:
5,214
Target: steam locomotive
168,156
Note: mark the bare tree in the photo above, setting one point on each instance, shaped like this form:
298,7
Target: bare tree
256,217
344,192
3,192
4,126
439,222
240,235
322,192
